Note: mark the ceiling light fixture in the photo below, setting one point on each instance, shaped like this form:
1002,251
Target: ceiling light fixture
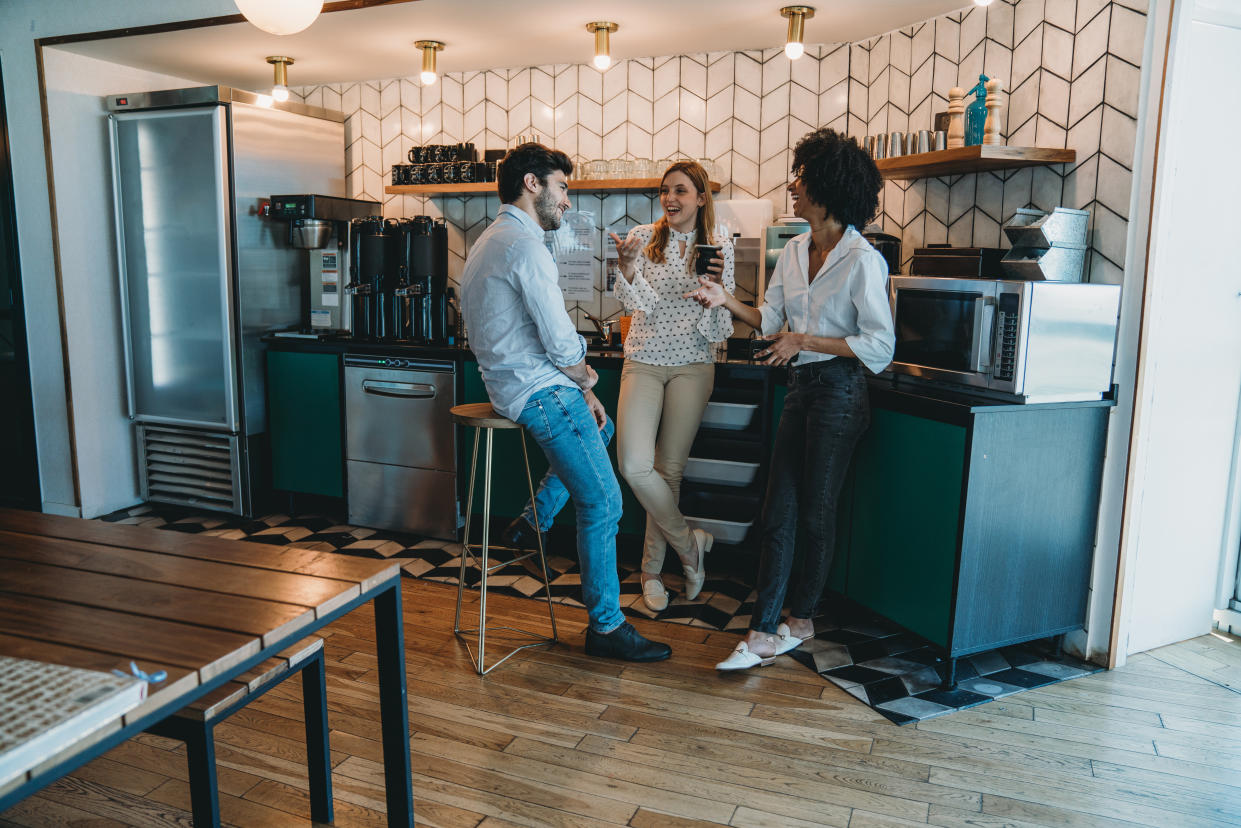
280,17
280,84
603,49
797,15
429,48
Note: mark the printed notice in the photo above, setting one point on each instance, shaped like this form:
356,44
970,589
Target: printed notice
329,277
573,246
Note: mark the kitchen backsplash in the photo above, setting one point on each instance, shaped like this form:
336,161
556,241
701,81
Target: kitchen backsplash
1070,69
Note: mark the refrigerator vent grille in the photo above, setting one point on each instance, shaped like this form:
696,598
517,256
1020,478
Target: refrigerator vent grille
190,467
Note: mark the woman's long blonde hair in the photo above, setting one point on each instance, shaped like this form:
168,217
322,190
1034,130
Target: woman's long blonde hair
706,214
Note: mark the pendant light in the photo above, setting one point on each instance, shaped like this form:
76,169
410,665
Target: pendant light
603,50
280,83
797,15
280,17
429,48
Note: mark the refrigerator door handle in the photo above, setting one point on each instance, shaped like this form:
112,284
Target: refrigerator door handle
227,260
119,224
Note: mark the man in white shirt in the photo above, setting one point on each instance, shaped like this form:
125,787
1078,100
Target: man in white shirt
533,363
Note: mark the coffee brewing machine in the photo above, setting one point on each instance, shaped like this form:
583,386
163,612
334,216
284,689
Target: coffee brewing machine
399,280
321,225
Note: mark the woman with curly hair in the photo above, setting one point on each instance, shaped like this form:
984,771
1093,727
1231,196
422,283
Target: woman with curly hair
669,369
830,288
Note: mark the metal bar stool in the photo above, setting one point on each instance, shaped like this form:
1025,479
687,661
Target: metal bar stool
480,417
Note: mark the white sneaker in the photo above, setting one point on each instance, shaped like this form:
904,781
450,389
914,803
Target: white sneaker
654,595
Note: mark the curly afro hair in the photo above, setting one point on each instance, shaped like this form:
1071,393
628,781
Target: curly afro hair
838,175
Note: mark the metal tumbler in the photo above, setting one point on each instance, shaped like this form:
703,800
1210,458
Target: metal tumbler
896,144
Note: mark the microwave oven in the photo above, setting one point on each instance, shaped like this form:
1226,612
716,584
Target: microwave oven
1029,342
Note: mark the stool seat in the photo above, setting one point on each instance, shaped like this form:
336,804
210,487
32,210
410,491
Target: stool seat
480,415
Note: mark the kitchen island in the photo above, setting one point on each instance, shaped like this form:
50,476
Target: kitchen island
967,521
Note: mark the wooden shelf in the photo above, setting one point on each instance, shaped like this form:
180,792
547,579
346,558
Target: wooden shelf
614,185
975,159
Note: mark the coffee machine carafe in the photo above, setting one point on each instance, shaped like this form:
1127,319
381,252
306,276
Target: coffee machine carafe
428,279
374,275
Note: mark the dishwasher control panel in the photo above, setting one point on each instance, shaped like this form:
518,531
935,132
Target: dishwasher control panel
369,361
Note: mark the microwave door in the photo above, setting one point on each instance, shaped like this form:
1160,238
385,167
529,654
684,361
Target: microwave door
944,329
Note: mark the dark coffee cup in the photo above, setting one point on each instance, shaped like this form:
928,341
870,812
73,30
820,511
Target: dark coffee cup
706,252
465,172
448,172
417,155
432,173
418,174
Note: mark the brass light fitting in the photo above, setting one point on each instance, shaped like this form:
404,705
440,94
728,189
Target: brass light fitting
429,48
603,50
797,15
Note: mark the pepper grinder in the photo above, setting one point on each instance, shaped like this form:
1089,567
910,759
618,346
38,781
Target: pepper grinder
995,113
956,117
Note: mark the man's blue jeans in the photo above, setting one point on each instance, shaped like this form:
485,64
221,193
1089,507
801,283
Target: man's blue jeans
561,423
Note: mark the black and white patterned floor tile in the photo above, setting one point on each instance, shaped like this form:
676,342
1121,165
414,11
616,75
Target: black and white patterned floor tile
891,671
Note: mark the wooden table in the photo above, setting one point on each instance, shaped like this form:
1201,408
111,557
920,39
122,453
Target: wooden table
99,595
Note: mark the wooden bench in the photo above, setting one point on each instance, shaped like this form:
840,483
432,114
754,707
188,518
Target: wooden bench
194,725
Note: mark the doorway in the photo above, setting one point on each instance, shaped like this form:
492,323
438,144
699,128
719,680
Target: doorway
19,477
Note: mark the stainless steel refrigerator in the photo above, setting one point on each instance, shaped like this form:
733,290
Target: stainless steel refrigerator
203,276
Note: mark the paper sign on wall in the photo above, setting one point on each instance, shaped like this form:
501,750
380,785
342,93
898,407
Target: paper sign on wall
573,246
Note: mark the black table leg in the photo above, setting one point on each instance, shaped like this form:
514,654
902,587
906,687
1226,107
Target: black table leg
393,705
204,794
318,748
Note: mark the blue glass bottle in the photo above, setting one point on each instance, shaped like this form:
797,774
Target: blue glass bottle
976,113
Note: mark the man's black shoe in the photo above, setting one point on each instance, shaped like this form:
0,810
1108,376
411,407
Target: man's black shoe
520,536
625,643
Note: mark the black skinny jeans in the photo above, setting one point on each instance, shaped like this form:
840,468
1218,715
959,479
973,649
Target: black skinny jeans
825,413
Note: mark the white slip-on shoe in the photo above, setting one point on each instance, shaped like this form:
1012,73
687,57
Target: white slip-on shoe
786,641
654,595
742,659
695,576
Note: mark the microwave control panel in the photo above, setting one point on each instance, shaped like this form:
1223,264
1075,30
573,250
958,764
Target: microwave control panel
1006,319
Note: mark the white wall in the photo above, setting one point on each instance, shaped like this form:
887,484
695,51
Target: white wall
77,120
21,22
1189,375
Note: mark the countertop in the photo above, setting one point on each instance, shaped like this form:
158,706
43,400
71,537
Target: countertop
888,391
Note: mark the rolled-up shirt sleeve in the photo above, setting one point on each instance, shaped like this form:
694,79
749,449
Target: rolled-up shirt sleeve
773,296
540,291
875,340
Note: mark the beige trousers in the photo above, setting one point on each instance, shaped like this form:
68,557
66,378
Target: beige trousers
657,417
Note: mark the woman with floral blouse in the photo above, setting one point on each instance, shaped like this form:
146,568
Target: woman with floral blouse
669,367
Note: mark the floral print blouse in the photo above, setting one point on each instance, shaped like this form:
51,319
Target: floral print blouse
668,329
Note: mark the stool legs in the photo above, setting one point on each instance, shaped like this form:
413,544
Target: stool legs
484,562
538,535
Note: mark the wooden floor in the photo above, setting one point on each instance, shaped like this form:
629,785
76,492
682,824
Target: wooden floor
555,738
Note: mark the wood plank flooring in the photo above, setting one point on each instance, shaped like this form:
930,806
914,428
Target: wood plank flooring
553,738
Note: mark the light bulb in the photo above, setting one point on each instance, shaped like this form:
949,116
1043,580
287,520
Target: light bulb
264,101
280,17
280,93
982,2
794,49
428,78
602,62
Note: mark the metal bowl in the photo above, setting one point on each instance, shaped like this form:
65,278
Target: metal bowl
310,233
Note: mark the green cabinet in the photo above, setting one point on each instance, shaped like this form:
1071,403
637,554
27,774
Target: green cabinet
902,513
305,423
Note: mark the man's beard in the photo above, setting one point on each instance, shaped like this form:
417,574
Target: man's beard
547,208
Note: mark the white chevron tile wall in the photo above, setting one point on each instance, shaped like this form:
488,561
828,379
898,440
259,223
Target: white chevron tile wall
1071,68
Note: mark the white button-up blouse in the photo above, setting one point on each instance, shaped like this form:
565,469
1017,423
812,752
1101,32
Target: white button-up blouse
668,329
848,299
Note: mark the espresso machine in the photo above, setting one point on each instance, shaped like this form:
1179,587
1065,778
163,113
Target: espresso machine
321,225
399,279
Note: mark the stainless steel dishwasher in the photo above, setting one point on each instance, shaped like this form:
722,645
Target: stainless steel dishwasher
400,445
